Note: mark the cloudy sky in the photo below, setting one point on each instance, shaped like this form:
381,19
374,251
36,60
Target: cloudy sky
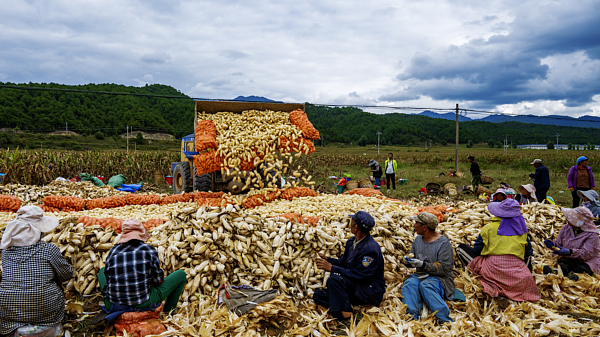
524,57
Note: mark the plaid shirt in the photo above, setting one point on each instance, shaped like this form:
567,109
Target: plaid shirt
131,268
29,292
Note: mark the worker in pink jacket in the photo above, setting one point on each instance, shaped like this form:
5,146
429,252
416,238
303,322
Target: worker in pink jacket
580,178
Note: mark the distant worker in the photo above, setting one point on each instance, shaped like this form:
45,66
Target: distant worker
499,196
433,281
541,180
527,194
377,171
133,278
390,171
580,178
590,201
577,245
475,172
356,278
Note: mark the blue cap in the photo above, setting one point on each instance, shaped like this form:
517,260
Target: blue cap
580,159
364,221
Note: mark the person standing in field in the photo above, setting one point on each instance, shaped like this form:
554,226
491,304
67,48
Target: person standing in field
475,172
390,171
580,178
377,171
541,180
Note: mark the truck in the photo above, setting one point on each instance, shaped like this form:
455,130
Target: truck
184,175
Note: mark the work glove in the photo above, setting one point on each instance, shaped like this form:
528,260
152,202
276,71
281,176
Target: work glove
414,263
571,189
549,243
562,252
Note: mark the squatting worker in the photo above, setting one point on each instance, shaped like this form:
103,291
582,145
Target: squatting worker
541,180
580,178
499,196
590,201
376,170
433,281
390,171
577,244
133,277
33,270
475,172
356,278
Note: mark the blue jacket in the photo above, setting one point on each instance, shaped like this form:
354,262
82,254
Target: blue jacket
363,265
541,178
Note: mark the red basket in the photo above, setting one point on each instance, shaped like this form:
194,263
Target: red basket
101,178
169,180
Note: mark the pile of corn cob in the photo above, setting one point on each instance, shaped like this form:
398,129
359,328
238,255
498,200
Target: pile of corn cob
33,195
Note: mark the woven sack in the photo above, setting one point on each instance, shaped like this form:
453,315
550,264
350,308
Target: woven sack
486,179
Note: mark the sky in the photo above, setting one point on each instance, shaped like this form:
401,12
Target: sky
521,57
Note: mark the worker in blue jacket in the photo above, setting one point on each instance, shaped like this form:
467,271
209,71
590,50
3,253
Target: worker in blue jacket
541,180
356,278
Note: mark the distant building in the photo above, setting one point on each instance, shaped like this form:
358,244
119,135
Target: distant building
557,146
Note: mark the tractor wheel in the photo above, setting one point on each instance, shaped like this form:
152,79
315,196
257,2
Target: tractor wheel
182,178
203,182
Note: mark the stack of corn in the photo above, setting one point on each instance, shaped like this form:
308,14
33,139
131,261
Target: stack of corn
33,195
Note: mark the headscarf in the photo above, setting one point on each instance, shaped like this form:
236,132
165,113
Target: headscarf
594,204
27,227
512,222
133,230
581,217
531,189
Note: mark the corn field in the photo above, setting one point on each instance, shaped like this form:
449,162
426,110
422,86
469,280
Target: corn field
31,166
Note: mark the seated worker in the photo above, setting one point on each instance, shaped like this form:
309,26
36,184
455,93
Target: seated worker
578,244
32,271
590,201
433,281
356,278
499,196
500,254
133,277
527,195
376,170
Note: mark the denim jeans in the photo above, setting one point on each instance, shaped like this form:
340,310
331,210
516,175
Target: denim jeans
430,291
377,181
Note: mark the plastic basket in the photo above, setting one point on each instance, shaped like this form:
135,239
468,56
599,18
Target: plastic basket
169,180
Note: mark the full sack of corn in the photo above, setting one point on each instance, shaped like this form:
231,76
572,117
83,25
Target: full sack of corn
365,192
64,202
299,118
150,199
298,192
207,162
175,198
9,203
110,202
206,135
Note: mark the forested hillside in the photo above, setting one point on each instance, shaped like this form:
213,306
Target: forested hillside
87,113
348,124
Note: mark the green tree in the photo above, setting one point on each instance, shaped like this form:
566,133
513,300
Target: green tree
499,145
570,146
470,144
550,146
491,143
592,147
99,135
139,139
362,141
577,146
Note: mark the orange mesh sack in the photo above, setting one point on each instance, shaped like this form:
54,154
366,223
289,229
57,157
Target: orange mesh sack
207,162
45,208
365,192
139,324
153,223
206,135
293,217
298,192
62,202
299,119
110,202
175,198
150,199
10,203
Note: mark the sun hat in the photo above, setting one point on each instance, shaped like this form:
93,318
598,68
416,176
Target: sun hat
512,222
364,221
499,191
580,159
581,217
373,162
530,188
133,230
427,219
536,161
26,228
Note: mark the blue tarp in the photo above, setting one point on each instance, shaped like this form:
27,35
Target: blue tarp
132,188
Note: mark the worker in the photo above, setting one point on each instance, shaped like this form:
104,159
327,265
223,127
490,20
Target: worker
580,178
501,256
577,244
376,170
356,278
133,278
433,281
590,201
541,180
390,171
527,194
475,173
499,196
32,272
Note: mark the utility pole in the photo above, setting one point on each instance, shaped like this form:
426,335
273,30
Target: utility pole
127,135
378,134
557,135
67,127
456,160
505,144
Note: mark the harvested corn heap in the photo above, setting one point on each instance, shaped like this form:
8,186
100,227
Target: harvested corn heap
33,195
241,247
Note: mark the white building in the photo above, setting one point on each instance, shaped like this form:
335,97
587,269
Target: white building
557,146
